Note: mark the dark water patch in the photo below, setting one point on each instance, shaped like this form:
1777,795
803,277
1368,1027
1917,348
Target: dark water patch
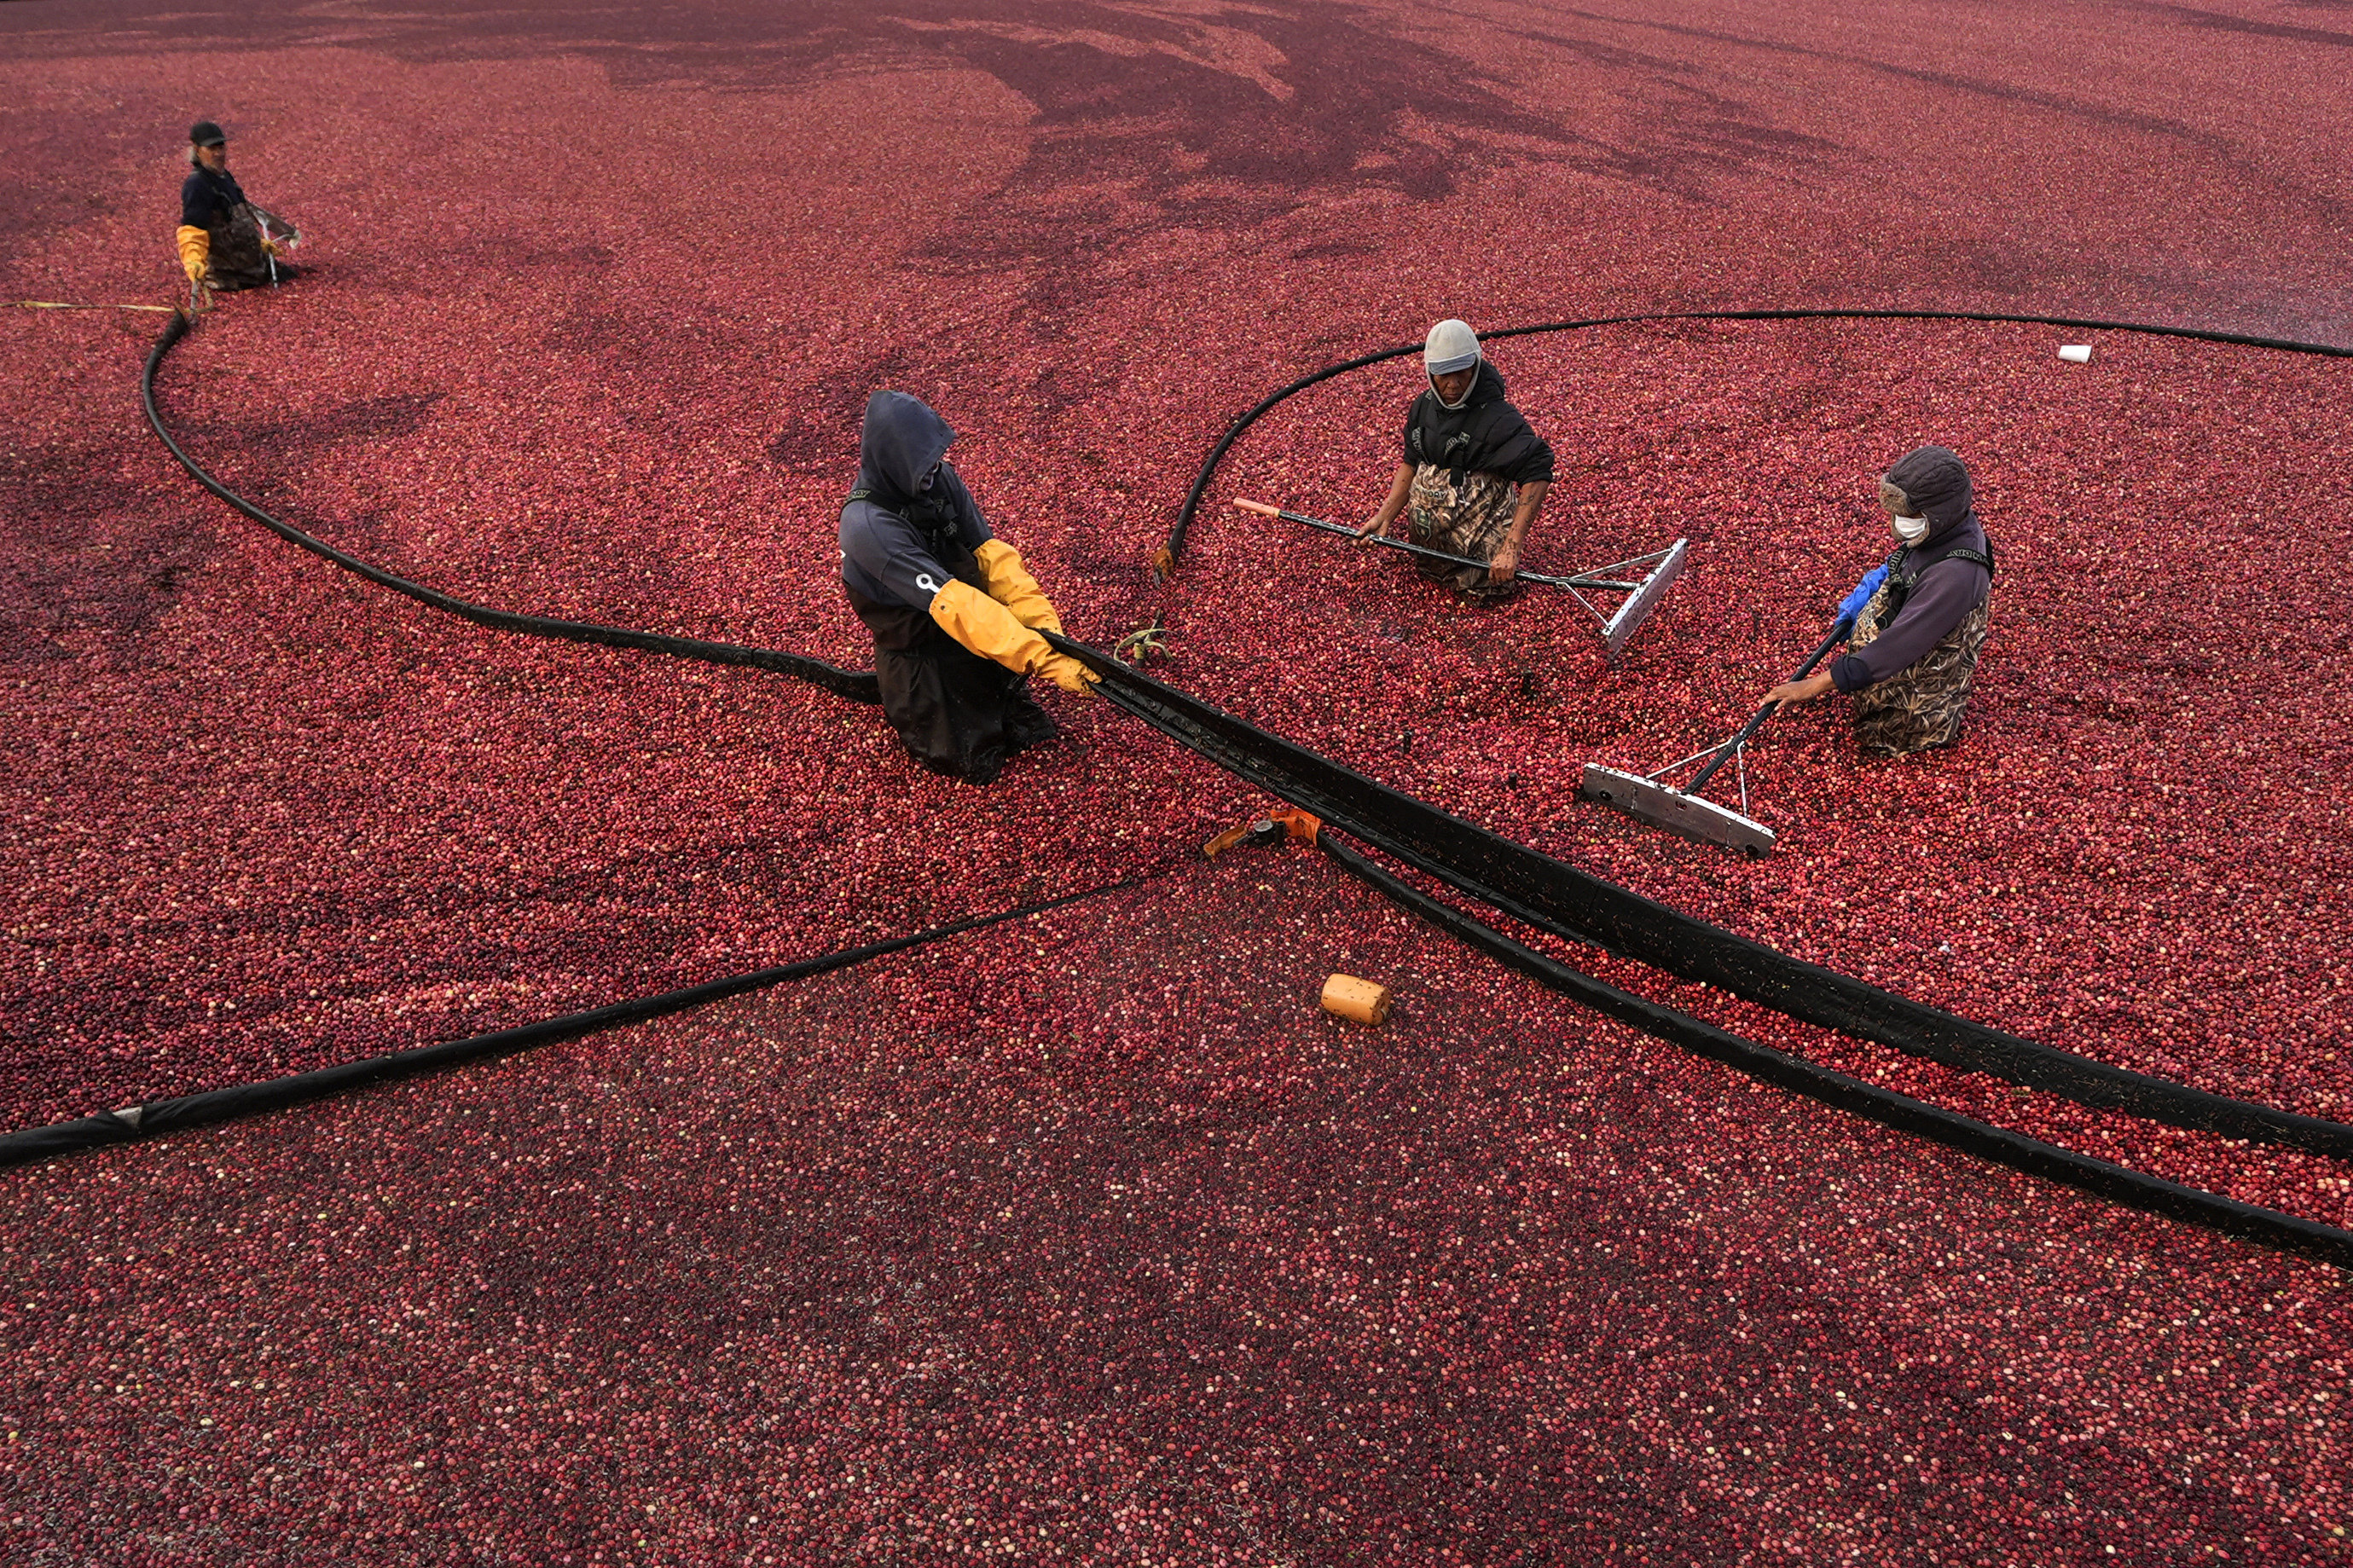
84,552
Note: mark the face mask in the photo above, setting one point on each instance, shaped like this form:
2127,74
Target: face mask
1910,530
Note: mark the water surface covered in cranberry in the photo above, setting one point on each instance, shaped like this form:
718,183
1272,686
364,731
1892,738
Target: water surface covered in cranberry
1088,1239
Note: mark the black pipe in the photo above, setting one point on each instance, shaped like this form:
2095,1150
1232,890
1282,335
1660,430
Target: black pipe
857,685
183,1113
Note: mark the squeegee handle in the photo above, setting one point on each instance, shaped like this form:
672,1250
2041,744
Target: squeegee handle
1731,747
1264,510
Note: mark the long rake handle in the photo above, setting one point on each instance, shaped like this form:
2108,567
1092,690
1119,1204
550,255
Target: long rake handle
1731,747
1264,510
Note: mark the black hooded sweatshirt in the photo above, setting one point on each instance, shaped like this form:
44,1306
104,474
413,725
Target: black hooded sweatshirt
207,199
1486,436
1943,590
898,539
902,542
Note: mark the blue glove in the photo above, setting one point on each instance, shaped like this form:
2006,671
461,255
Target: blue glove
1851,606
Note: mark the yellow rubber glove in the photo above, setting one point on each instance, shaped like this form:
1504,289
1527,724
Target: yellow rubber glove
196,251
1069,675
987,628
1010,584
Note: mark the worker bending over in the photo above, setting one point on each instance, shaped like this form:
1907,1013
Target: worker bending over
1474,473
225,242
1914,649
956,617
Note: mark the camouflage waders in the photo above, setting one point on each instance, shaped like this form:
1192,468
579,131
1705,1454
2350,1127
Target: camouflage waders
1919,707
237,261
1470,520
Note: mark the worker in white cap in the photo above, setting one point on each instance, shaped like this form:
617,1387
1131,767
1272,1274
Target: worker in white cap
1473,472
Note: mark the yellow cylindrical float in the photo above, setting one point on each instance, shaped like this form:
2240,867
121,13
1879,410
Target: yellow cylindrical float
1359,999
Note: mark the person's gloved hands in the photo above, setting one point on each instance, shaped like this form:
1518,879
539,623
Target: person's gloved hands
1852,606
985,627
1010,584
1069,674
196,251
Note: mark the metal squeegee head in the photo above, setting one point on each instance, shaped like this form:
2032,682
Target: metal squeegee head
1663,806
1620,627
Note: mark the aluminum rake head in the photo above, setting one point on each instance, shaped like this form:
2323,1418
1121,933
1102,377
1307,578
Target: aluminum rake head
1620,627
1688,815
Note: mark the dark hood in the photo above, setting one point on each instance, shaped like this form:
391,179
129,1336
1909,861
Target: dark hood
1936,482
900,440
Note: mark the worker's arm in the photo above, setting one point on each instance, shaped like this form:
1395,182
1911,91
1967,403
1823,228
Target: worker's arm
1400,487
1945,596
1010,584
1508,555
987,628
196,251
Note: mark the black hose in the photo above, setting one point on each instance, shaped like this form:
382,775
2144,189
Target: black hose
857,685
1175,545
2117,1184
185,1112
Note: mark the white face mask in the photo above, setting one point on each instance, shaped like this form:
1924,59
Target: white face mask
1910,530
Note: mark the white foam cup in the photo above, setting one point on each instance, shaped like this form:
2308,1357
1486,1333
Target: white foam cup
2075,353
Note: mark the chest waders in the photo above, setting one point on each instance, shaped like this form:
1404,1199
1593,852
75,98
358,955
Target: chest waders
238,260
1921,706
1901,582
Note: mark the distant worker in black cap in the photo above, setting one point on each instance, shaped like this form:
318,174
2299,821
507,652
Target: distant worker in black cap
1472,475
955,615
225,242
1923,615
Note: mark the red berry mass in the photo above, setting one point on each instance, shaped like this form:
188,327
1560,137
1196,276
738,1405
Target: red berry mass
1090,1238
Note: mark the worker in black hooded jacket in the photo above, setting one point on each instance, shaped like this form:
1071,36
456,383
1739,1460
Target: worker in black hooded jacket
1912,656
955,616
1471,469
225,241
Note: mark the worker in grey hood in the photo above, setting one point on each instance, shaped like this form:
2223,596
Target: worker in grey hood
1912,656
954,615
1472,470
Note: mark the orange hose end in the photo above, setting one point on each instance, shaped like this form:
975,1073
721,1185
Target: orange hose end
1259,507
1302,825
1225,841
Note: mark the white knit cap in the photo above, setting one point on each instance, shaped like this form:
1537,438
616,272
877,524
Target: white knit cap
1451,346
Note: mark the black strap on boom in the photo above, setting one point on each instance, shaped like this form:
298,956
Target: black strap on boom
1559,898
